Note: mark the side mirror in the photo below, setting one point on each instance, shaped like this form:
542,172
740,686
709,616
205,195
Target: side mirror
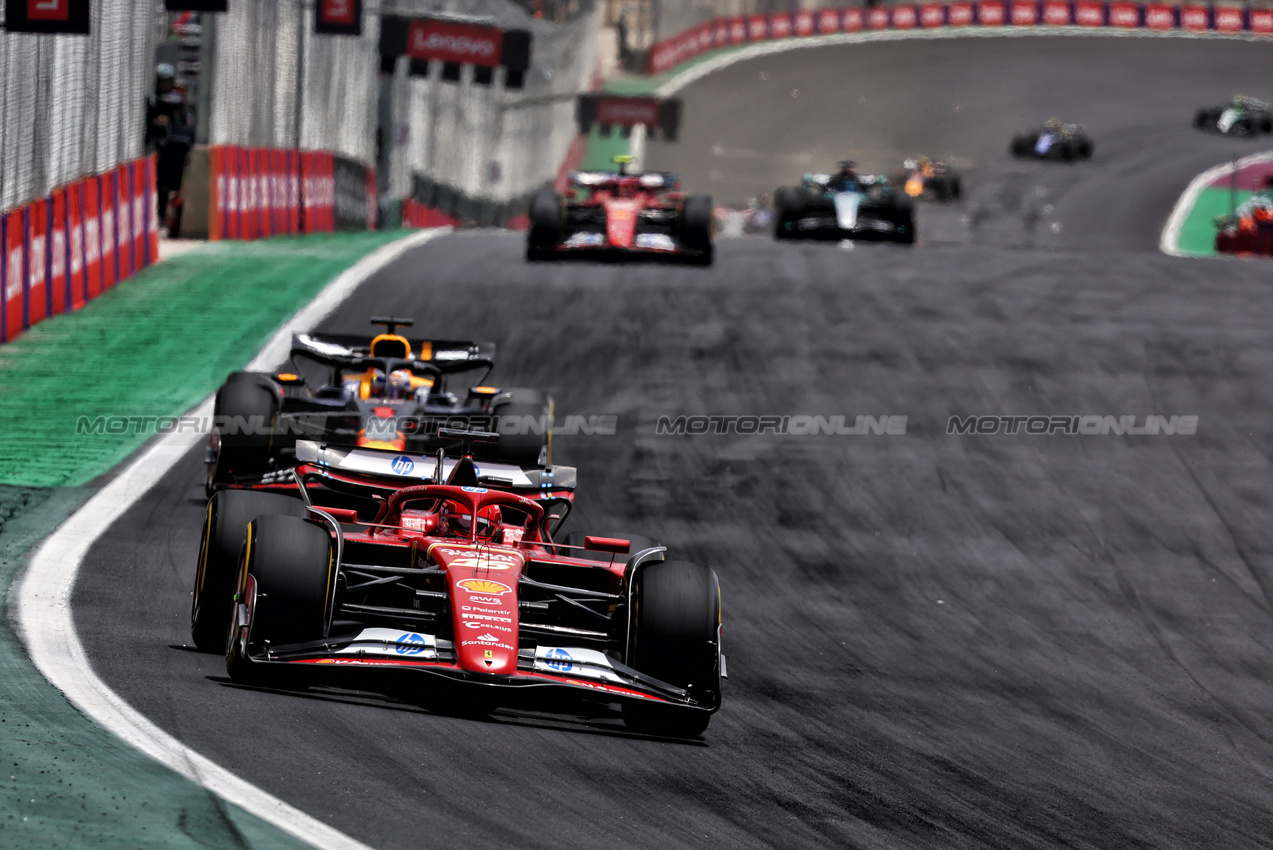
613,545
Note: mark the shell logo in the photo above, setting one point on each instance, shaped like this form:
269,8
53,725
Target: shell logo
481,585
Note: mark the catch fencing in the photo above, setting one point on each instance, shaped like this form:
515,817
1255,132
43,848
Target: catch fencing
76,208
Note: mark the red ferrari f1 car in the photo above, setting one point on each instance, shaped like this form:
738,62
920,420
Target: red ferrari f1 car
417,576
618,214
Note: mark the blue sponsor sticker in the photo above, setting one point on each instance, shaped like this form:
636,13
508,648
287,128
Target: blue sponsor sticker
416,644
560,660
473,489
403,465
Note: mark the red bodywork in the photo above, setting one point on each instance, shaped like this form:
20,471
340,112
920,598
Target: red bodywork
458,543
623,198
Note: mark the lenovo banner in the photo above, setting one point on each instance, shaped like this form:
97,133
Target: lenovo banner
442,41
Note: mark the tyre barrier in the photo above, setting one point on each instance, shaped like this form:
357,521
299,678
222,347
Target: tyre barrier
59,252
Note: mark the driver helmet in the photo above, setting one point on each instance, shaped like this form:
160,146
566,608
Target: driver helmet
1054,124
165,71
399,385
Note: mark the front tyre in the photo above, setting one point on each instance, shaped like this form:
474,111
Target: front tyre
286,576
788,207
224,526
697,226
675,638
544,233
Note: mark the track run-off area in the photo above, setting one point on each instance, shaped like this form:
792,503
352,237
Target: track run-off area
934,640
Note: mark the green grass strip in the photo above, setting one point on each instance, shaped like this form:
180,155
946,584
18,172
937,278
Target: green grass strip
155,345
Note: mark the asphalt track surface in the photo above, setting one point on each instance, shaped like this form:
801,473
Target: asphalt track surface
934,641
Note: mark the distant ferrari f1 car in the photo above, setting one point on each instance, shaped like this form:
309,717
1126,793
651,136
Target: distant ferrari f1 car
391,392
451,584
925,178
1242,116
618,214
845,205
1054,140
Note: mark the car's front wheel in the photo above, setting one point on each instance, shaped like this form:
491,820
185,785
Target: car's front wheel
224,526
675,638
286,576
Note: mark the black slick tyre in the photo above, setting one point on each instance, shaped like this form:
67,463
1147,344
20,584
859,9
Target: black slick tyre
293,566
224,526
675,633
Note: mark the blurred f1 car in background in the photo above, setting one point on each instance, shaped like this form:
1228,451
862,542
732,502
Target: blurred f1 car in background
621,214
452,586
1055,141
924,178
390,392
844,205
1242,116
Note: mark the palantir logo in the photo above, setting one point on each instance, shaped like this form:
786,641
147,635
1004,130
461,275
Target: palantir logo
411,644
559,660
403,465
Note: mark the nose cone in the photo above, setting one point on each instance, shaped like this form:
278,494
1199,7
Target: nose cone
621,222
484,609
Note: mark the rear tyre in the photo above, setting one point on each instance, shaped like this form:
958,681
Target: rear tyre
1021,145
519,443
956,188
293,566
246,412
675,638
545,225
1085,149
224,526
697,225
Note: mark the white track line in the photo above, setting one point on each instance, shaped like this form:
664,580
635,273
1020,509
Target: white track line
42,602
1169,241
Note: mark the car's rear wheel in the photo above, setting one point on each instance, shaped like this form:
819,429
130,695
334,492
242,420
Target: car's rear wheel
246,412
675,638
903,218
224,527
1021,145
293,567
523,421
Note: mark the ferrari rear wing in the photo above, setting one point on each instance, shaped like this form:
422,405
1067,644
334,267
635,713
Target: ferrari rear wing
415,468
